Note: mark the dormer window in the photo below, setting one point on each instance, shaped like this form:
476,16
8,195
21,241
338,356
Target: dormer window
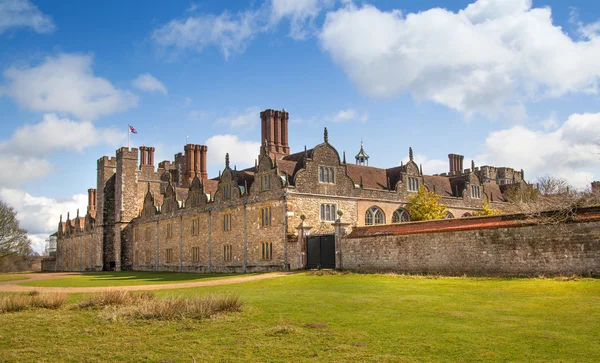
413,184
475,192
265,182
326,175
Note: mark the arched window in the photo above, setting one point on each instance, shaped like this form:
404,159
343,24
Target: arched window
449,215
400,216
466,215
374,215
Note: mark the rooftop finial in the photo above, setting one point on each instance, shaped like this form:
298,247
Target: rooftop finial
195,170
265,147
344,156
421,169
77,212
410,154
522,175
227,160
148,187
326,135
472,165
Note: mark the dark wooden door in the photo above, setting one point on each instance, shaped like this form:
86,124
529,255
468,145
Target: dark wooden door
320,251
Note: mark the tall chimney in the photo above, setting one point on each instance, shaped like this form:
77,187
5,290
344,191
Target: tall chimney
91,200
274,129
142,156
456,163
189,164
284,132
277,128
151,156
203,166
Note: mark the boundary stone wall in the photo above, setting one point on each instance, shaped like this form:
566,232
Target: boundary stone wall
502,245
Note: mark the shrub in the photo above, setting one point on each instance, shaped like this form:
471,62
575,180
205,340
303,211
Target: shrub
425,205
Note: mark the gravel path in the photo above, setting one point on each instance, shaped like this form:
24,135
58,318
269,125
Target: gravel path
12,286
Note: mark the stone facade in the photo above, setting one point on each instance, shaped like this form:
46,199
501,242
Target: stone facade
176,218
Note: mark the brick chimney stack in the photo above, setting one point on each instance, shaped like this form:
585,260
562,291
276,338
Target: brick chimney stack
195,160
151,156
274,129
189,151
143,155
202,169
456,163
91,200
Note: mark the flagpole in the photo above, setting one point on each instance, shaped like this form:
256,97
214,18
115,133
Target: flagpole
128,138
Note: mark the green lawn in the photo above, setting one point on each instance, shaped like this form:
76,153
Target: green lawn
126,278
337,319
12,277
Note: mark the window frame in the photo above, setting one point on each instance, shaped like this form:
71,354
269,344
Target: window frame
326,174
372,215
265,182
399,213
413,184
328,209
475,192
227,253
266,251
169,255
266,215
195,254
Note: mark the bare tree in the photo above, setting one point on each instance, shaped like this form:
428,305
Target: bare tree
552,197
551,185
13,239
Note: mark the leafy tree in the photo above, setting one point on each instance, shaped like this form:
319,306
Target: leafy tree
13,239
486,210
425,205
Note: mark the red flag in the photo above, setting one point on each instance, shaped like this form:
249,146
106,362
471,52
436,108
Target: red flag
132,129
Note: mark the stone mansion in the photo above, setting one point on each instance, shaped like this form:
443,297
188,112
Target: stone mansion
174,217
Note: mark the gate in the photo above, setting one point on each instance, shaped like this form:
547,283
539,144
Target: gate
320,251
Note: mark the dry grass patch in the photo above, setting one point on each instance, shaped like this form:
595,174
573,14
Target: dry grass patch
114,298
118,304
31,300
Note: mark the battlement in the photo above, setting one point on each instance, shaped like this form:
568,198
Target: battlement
107,162
126,153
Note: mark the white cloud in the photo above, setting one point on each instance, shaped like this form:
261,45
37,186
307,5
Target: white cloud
29,145
488,55
66,83
23,14
187,101
241,153
301,14
55,133
349,114
148,83
26,168
229,33
232,33
572,151
40,215
248,118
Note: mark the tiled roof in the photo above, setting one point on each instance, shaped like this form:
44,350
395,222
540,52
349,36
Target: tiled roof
493,193
438,184
299,155
211,186
372,178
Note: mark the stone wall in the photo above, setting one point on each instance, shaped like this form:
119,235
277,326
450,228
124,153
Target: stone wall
505,245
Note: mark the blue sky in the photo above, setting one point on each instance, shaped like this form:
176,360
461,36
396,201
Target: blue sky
503,82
